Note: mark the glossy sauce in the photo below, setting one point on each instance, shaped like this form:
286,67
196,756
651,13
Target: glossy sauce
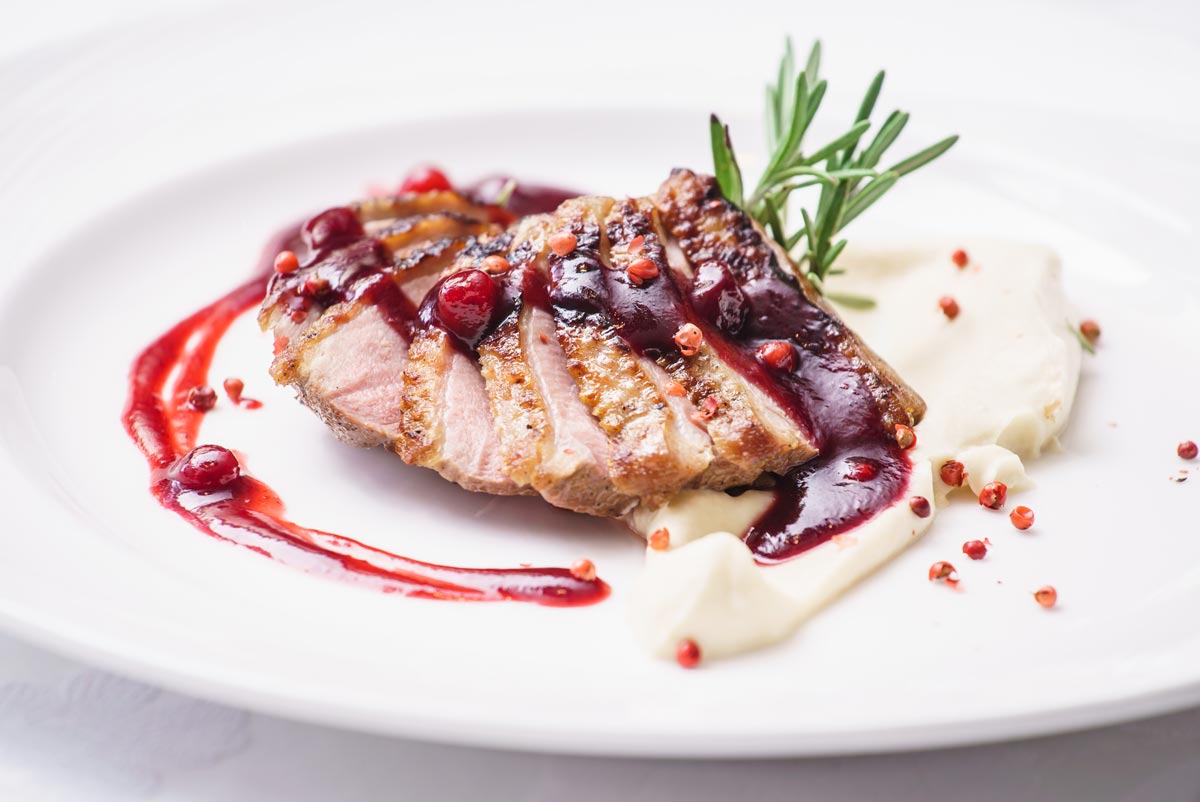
737,309
824,394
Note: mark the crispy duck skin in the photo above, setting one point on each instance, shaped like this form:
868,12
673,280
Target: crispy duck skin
549,438
750,433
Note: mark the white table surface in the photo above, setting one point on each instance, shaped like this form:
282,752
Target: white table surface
72,732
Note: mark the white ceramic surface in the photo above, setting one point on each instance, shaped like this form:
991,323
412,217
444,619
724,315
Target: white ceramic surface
94,568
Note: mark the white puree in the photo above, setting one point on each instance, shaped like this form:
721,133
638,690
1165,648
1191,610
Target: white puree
999,381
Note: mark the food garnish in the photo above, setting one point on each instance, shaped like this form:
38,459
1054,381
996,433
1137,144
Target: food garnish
1021,517
202,398
942,571
1187,450
286,262
993,495
687,653
1046,596
920,506
953,473
949,307
848,178
975,549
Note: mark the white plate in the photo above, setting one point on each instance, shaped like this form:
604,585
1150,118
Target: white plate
92,566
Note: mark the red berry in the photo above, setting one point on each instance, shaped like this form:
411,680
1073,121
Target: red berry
941,571
202,397
1021,517
949,307
206,468
920,506
466,301
861,469
563,243
660,539
953,473
281,343
1046,596
777,354
286,262
687,653
584,570
331,228
993,495
234,388
1187,450
688,338
1090,330
959,258
975,549
496,264
641,270
906,438
426,179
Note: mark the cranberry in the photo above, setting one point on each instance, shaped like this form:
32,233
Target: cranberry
1046,596
953,473
465,302
718,298
426,179
1090,330
281,344
920,506
202,398
636,244
1021,517
949,307
906,438
959,258
331,228
861,469
975,549
778,354
993,495
584,570
687,653
206,468
1187,450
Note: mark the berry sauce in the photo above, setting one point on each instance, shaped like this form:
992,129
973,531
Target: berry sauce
740,306
217,496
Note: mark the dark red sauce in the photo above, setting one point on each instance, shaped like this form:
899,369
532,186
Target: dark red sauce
738,304
247,512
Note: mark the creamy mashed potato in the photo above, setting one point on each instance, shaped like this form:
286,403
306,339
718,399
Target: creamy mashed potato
999,381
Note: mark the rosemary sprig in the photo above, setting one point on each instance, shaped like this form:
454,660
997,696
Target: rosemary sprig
848,178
